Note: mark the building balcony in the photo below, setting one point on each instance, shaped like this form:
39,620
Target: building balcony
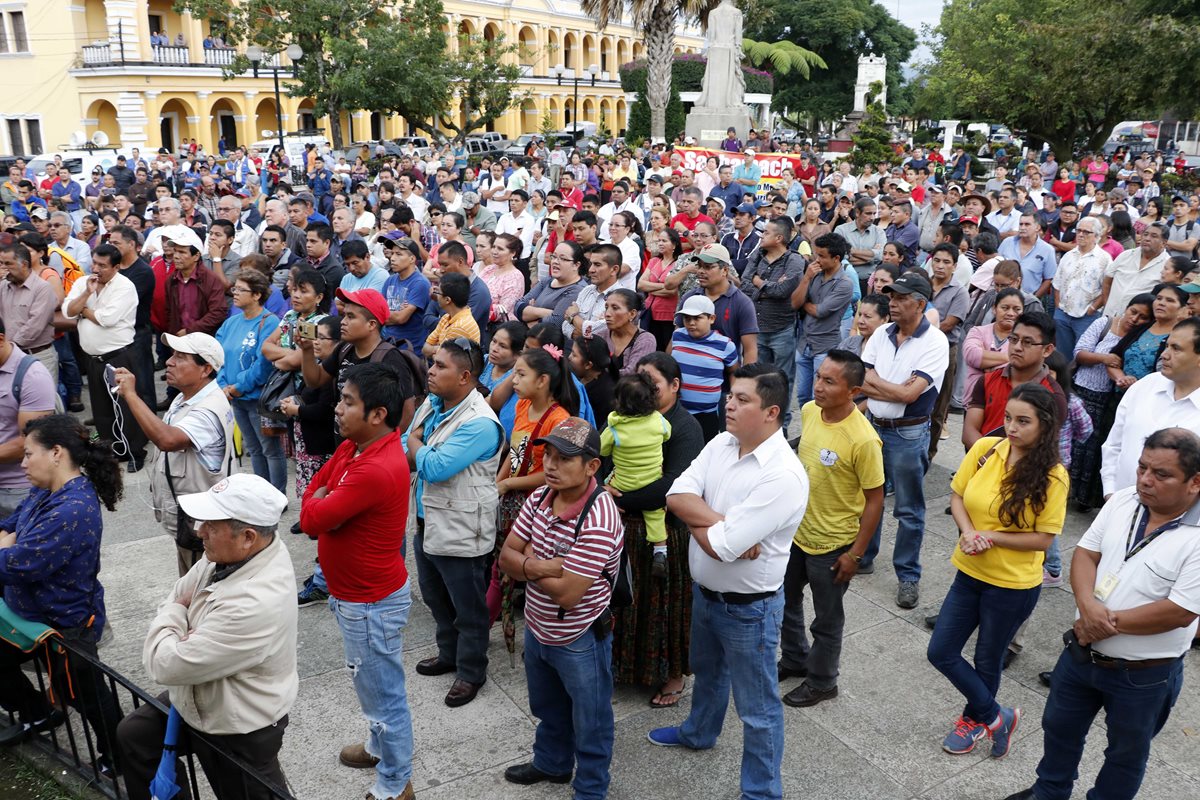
170,54
109,54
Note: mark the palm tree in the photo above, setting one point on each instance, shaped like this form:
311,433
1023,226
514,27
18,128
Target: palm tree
657,18
782,58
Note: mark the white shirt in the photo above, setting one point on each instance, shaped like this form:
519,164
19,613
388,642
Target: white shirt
1004,223
498,202
1130,278
590,301
762,496
417,204
1079,280
115,309
522,226
1148,406
926,354
1167,568
605,214
365,222
631,256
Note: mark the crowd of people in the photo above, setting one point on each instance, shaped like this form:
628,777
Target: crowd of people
566,382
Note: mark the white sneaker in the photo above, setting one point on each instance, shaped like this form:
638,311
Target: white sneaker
1051,581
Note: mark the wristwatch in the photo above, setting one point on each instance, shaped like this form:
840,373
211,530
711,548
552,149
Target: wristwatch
857,559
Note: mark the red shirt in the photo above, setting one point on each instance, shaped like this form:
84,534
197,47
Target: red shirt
573,198
992,393
807,173
359,525
1065,190
158,308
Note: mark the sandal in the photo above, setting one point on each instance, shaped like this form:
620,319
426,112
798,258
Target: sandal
660,696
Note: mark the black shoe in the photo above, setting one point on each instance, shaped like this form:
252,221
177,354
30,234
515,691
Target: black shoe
528,774
791,672
1044,677
931,621
804,695
658,565
19,732
1024,794
462,692
296,527
1009,657
74,405
866,569
433,666
106,767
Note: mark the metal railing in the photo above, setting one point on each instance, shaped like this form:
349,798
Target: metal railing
76,746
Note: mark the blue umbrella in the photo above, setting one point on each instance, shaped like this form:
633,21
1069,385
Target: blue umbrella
163,786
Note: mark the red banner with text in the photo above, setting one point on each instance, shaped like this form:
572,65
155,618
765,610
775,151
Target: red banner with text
771,164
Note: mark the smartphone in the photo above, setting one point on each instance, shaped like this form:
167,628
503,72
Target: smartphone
110,377
306,330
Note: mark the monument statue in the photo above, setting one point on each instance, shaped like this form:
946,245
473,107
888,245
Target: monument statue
722,101
871,69
724,85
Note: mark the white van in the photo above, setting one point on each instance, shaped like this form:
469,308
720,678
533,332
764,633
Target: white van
79,162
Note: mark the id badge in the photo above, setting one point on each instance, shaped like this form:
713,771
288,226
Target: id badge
1105,587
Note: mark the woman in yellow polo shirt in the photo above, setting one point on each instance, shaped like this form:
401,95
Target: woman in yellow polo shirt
1009,501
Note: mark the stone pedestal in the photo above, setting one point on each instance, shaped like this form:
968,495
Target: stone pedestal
708,126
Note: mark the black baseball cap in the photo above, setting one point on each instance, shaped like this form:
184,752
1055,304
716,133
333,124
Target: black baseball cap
909,283
573,437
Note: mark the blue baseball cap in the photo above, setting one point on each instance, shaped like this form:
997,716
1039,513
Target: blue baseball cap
745,208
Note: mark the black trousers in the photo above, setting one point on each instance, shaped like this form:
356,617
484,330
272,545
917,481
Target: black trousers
140,736
455,591
102,400
86,690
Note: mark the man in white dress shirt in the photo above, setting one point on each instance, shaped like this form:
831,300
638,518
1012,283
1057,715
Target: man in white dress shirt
105,306
1169,397
743,498
620,202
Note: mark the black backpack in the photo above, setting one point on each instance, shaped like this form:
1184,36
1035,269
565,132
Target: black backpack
621,583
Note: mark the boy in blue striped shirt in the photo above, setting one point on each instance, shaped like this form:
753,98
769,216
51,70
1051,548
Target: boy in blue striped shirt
705,358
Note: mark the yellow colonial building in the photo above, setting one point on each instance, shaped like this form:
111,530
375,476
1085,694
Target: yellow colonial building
139,72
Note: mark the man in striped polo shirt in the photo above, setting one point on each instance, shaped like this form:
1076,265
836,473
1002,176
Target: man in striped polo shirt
705,357
566,543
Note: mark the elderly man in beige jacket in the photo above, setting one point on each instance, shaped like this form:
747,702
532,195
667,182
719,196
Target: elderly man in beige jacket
224,645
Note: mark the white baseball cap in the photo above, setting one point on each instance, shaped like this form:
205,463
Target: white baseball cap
182,234
696,305
200,344
242,496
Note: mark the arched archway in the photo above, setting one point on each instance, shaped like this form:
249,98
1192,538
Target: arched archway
465,28
553,51
306,117
265,118
105,114
527,45
639,51
622,52
222,123
621,120
588,111
570,52
555,117
589,51
606,59
176,123
491,32
529,121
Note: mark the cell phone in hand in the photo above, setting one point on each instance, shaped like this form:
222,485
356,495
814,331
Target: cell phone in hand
110,377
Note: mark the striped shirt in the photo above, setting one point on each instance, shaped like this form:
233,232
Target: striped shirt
702,363
597,549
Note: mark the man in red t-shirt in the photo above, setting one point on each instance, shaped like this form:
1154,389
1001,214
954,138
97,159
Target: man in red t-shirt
689,214
806,173
357,509
571,195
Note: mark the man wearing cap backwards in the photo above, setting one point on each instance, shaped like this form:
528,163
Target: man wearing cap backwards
743,498
906,362
566,544
224,645
453,448
105,307
356,507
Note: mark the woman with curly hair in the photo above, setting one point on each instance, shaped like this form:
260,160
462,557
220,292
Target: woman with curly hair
1009,501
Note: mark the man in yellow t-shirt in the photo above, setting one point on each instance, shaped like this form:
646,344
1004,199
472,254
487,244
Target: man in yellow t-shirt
843,456
453,294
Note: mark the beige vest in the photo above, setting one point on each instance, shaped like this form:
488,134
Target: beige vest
188,473
460,513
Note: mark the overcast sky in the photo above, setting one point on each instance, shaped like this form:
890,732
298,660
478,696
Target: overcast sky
915,14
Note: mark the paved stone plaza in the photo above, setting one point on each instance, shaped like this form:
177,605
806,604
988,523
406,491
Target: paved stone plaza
879,739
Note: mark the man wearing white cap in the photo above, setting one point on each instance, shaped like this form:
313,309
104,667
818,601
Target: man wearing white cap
224,645
193,442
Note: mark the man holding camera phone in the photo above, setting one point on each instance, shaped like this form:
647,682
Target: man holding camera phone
1136,580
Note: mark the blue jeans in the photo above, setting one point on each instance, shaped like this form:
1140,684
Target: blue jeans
1136,704
1067,330
905,461
733,646
68,369
807,364
266,452
570,692
1053,563
779,348
373,639
970,605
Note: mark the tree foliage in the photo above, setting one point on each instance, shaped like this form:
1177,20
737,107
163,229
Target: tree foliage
838,32
783,58
872,142
1064,70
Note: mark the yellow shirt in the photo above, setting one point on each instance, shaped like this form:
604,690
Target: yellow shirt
980,491
841,460
448,327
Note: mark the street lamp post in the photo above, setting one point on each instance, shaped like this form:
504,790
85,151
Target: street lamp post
256,55
559,72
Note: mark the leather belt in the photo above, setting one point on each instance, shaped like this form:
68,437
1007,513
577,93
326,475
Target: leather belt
44,347
734,598
1107,662
111,354
902,422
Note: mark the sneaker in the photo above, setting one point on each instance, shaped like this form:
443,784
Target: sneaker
908,594
665,737
1003,729
311,593
866,569
658,566
1050,580
964,736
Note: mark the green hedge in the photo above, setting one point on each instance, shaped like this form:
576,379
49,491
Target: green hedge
687,75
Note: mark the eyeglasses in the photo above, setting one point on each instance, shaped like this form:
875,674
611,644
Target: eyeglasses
326,339
1016,340
239,290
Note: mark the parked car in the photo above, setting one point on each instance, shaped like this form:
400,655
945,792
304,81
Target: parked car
517,148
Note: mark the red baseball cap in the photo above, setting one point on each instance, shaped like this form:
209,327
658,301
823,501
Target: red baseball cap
370,299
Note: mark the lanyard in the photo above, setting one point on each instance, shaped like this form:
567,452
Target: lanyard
1131,548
